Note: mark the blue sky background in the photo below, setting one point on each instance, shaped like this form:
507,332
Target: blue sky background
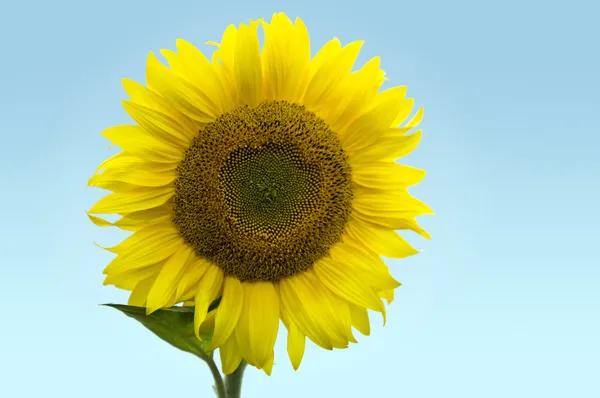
503,302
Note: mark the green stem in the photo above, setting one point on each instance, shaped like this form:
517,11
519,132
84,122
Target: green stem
219,385
233,382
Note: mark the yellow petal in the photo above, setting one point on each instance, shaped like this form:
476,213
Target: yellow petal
140,219
295,345
404,112
382,241
127,202
186,97
401,146
360,319
382,175
206,292
366,266
293,306
346,284
139,142
202,73
128,279
387,148
242,331
145,97
304,302
223,61
187,284
140,293
142,95
226,50
268,367
411,224
341,315
191,101
163,291
285,58
147,236
149,215
296,340
400,131
247,65
162,127
397,204
328,69
263,317
360,88
230,355
144,177
228,311
128,161
100,222
159,246
388,295
276,56
416,119
359,261
368,127
389,221
208,326
116,186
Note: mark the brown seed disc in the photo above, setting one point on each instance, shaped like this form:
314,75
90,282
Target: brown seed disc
263,192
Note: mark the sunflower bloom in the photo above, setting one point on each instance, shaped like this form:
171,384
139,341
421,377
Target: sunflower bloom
267,180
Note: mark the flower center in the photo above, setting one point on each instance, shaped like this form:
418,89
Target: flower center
263,192
269,190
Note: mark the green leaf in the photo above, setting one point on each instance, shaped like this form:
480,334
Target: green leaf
174,325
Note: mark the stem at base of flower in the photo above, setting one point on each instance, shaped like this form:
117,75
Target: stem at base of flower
219,386
233,382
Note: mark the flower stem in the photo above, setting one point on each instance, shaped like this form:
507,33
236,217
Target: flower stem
219,385
233,382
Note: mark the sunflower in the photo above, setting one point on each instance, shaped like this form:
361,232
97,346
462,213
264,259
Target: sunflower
265,180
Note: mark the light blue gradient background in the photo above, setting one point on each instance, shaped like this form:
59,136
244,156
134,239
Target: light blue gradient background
503,302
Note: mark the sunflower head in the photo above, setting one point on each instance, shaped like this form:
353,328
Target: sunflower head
264,180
